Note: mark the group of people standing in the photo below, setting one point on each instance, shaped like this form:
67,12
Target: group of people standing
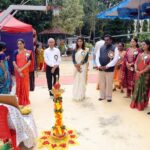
118,66
22,62
134,73
125,69
137,63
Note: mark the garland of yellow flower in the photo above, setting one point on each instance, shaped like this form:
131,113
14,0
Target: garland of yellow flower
59,138
59,128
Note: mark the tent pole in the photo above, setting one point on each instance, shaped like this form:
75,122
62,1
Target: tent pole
9,17
148,25
21,7
138,21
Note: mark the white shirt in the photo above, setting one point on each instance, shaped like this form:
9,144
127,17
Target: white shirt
98,45
52,56
111,63
73,46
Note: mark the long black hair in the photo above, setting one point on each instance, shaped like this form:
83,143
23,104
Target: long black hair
2,46
136,40
147,43
83,45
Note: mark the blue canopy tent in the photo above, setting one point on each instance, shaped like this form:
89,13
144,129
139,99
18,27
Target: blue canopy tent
128,9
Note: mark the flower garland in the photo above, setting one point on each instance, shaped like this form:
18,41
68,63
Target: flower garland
27,55
59,138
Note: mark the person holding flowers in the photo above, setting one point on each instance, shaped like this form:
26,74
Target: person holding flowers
80,61
142,68
128,70
21,62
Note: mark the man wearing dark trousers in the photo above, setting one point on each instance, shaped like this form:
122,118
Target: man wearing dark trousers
52,59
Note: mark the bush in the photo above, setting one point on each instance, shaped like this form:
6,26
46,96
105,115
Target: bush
144,37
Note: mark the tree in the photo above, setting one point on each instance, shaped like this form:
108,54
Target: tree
118,27
39,19
145,26
4,4
93,26
110,3
90,10
98,27
71,16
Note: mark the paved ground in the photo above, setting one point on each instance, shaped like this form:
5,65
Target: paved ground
101,125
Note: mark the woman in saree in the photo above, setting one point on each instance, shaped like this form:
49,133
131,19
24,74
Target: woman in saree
5,81
128,70
118,71
142,68
80,61
21,62
41,58
37,56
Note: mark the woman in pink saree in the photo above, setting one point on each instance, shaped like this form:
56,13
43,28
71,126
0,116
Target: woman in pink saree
128,70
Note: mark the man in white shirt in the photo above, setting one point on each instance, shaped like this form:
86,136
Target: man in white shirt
106,59
52,59
98,45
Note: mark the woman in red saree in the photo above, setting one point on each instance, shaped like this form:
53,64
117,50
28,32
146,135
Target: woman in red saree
128,70
21,62
142,67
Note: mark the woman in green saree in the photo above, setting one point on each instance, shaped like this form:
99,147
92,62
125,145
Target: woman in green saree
142,79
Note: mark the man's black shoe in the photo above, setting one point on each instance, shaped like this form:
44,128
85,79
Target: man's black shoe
148,113
109,100
100,99
51,94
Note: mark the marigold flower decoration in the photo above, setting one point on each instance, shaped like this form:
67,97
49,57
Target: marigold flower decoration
59,137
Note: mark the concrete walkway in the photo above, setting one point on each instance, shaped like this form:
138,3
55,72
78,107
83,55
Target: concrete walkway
100,125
